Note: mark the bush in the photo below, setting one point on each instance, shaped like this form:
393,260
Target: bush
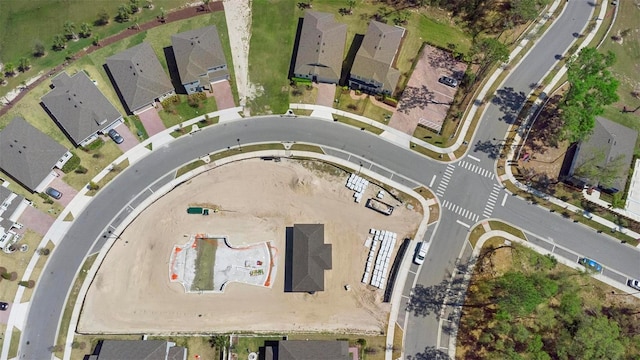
72,164
194,100
362,342
93,186
6,276
96,155
80,170
390,101
103,18
94,145
171,101
43,251
47,199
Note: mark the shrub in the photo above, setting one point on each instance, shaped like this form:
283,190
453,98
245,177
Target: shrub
71,164
194,100
96,155
6,276
94,145
23,283
171,101
103,18
47,199
43,251
390,101
353,107
362,342
93,186
80,170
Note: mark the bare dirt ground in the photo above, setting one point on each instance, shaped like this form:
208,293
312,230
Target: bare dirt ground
426,101
132,293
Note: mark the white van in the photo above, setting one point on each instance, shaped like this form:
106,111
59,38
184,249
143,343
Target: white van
421,252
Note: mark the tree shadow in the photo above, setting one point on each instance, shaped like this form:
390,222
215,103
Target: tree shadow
510,103
430,353
417,97
493,149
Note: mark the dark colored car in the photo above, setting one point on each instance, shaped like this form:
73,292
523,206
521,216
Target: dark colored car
634,284
590,264
3,306
113,134
448,81
53,193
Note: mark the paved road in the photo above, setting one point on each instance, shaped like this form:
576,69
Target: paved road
468,190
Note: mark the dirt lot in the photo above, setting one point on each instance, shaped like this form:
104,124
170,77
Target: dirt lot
132,293
425,100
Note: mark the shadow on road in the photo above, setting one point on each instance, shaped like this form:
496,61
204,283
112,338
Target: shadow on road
430,353
510,103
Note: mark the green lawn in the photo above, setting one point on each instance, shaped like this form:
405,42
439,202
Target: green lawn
183,111
204,264
627,67
190,166
498,225
272,36
23,23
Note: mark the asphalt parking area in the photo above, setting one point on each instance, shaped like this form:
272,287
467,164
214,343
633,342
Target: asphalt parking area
151,121
223,95
425,100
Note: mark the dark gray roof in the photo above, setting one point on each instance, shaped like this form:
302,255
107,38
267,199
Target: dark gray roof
311,256
614,140
139,76
28,154
313,350
79,107
133,349
177,353
376,54
196,52
321,46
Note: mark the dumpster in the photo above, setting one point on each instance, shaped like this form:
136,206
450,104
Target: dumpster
194,210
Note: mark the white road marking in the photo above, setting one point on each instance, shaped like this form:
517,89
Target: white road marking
504,200
473,157
432,181
463,224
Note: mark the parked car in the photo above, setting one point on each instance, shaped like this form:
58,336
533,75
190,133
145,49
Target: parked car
590,264
3,306
113,134
634,283
421,252
448,81
53,193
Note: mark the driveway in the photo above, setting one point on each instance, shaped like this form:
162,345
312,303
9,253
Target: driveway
222,92
68,193
151,121
326,94
35,220
425,101
130,139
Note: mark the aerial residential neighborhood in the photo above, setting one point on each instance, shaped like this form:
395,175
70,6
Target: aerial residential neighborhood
322,180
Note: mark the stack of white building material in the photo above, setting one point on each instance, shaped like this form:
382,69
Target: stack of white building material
377,267
357,184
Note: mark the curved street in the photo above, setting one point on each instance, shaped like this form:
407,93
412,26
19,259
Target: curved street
463,188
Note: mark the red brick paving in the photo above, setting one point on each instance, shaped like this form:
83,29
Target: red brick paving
68,193
151,121
426,100
224,96
36,220
130,139
326,94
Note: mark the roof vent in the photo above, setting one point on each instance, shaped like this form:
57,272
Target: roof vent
19,152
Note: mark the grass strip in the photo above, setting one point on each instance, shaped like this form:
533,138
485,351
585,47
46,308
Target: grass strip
205,262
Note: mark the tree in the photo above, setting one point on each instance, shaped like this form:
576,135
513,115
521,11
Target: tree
592,87
38,49
163,14
85,30
598,171
9,69
96,40
351,4
206,4
59,42
219,342
134,6
596,338
149,4
487,52
24,64
523,10
69,30
124,13
103,18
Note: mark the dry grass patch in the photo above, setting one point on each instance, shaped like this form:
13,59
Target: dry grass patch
17,262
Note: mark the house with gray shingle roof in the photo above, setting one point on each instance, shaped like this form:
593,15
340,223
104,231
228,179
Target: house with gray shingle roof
307,350
310,258
139,350
79,108
200,58
12,206
320,48
139,77
28,155
372,69
608,142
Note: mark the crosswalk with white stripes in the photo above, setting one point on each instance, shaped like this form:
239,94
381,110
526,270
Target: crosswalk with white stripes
460,211
491,202
477,169
446,177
